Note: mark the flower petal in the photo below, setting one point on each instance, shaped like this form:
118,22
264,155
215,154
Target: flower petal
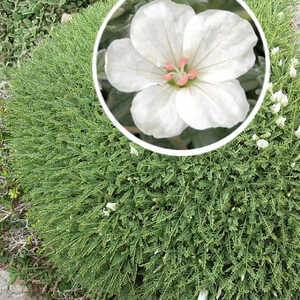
204,105
127,70
220,45
154,112
157,30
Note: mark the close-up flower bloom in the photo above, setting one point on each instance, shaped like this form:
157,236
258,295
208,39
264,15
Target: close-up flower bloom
262,144
184,67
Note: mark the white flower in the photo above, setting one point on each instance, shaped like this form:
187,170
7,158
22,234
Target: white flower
284,101
294,61
105,213
275,50
262,144
111,206
277,96
254,137
275,108
184,67
280,122
280,63
293,165
65,18
203,295
280,97
133,151
293,72
297,132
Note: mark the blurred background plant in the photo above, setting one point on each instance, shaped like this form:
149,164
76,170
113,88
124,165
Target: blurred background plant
120,103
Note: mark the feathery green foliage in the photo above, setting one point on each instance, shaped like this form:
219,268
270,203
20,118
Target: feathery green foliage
25,23
225,221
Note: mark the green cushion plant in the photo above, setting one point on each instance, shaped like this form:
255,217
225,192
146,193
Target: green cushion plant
225,221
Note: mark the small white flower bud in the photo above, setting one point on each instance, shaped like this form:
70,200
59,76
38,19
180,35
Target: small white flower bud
275,108
254,137
293,72
262,144
111,205
105,213
277,96
294,61
270,87
275,50
133,151
65,18
280,63
280,97
284,100
280,122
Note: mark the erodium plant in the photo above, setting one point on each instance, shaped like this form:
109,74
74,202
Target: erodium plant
185,66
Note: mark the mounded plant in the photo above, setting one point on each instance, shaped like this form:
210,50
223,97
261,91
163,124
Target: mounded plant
225,221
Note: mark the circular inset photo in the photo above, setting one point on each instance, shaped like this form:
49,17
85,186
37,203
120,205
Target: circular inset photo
181,77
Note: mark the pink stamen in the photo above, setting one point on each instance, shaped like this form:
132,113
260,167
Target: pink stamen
192,74
183,61
183,80
169,66
168,77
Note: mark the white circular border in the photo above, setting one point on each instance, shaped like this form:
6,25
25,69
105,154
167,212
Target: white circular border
190,152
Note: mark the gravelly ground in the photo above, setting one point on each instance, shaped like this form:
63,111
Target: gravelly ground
17,291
